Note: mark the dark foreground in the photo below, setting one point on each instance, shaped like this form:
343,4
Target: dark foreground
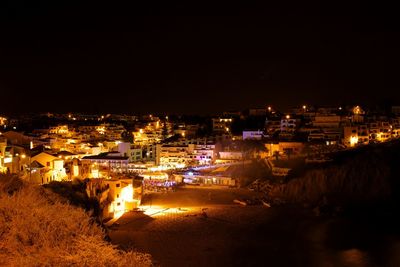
209,230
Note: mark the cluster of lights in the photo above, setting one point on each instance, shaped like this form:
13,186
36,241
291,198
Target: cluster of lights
101,129
3,120
353,140
357,110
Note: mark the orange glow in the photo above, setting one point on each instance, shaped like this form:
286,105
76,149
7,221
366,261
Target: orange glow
158,211
353,140
101,129
127,193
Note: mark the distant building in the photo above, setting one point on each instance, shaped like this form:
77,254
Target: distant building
326,121
289,124
380,131
222,125
272,126
230,156
253,135
396,110
128,150
355,135
105,164
257,112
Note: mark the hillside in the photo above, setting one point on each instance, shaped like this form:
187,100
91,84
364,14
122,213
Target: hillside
37,228
362,176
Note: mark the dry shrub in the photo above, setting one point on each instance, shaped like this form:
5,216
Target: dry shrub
37,229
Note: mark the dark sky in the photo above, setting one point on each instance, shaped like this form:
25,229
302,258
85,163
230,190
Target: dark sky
194,58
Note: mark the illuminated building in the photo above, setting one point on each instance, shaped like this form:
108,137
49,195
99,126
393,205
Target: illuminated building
229,156
53,168
358,114
380,131
3,145
272,125
60,130
354,135
220,125
253,135
115,196
106,163
128,150
181,155
289,124
174,156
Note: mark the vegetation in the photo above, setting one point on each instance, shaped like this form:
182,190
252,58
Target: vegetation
37,228
75,194
248,173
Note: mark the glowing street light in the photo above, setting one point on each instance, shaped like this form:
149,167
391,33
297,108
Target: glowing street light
287,116
353,140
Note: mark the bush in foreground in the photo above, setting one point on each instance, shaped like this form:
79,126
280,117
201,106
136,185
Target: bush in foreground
38,229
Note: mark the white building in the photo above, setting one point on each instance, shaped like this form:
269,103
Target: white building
289,124
53,167
253,135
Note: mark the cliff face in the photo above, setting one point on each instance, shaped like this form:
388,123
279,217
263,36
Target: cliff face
364,175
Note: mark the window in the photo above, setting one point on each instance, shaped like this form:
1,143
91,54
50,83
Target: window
118,185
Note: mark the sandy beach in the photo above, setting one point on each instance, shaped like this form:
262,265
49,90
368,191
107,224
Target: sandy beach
203,227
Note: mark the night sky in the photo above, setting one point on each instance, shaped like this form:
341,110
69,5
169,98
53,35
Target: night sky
194,58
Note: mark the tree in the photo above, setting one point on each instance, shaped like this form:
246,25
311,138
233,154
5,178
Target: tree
127,137
165,132
276,155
